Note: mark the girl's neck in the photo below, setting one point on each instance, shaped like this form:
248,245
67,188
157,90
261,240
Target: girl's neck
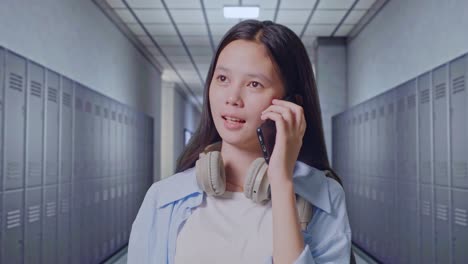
236,163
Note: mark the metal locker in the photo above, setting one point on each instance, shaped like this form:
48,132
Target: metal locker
113,140
78,134
49,227
96,146
459,122
108,216
381,137
442,222
14,122
13,226
33,225
2,82
113,222
64,224
411,123
86,224
120,212
424,122
439,86
106,138
401,117
35,125
66,126
373,138
427,224
95,220
88,171
460,225
52,127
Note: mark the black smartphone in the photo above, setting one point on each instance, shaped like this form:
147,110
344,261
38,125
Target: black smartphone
266,133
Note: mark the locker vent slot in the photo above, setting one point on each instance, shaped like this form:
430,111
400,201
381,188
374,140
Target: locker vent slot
16,82
51,208
460,217
52,94
440,91
88,107
34,169
373,114
65,205
424,96
78,104
36,89
13,218
460,169
13,170
411,101
458,84
34,213
401,105
97,110
426,208
442,212
105,195
66,99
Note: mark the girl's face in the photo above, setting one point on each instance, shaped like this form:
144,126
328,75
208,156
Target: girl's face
245,82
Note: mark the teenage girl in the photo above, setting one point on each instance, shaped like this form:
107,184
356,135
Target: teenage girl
225,204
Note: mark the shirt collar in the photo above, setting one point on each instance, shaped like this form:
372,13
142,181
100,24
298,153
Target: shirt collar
309,182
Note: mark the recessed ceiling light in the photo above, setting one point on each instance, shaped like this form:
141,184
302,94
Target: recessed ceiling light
241,11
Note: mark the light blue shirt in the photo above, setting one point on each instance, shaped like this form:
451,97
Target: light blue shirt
169,202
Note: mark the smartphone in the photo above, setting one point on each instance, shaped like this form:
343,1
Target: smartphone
266,133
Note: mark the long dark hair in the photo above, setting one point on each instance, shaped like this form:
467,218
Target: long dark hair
290,56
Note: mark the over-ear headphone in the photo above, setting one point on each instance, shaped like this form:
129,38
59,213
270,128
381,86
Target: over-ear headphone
211,178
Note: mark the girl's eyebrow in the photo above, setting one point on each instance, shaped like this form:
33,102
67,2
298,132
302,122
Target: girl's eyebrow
254,75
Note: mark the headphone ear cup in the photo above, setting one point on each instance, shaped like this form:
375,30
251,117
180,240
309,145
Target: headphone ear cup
257,187
210,173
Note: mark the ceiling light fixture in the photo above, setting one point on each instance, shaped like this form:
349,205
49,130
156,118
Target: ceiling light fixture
241,11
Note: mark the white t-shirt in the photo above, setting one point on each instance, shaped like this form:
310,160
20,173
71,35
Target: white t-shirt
226,229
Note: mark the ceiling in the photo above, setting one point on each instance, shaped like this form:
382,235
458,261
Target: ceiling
180,36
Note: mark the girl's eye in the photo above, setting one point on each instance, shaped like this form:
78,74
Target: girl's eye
256,84
222,78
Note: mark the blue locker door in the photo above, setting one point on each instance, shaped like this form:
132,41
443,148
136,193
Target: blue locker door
439,82
106,173
14,122
35,123
13,226
52,128
411,122
33,225
427,228
64,224
66,125
49,228
442,222
460,225
76,213
458,129
424,121
2,82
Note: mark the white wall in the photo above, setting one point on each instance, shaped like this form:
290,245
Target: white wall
405,39
177,113
75,39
